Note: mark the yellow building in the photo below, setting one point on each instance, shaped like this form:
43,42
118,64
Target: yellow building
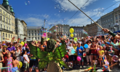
7,22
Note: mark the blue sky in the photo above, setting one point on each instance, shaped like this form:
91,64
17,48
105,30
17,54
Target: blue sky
60,11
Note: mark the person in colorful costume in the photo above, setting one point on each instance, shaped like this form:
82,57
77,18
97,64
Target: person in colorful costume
51,55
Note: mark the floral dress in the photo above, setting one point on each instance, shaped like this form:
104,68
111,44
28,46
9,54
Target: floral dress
9,64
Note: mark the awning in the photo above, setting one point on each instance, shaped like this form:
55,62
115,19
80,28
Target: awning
117,31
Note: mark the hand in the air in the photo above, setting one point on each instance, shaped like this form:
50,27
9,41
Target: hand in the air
42,36
105,30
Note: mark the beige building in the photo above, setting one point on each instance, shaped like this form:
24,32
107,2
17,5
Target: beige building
34,33
91,29
7,22
25,27
60,30
77,31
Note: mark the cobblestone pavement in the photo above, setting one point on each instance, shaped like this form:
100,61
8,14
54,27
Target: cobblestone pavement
115,69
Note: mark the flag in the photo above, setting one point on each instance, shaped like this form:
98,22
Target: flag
85,32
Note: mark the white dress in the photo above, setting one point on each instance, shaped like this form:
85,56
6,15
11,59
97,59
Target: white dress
18,55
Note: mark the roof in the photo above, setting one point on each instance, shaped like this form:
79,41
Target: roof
23,21
6,10
33,27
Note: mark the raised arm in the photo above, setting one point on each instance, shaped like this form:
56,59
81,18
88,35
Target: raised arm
111,33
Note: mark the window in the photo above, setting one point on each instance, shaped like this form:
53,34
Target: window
9,35
29,34
38,38
6,35
119,16
4,19
4,26
0,11
32,34
116,17
3,34
9,22
0,17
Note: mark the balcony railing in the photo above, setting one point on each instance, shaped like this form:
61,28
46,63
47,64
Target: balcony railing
1,29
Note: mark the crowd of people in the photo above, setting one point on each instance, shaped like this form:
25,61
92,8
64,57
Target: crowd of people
100,50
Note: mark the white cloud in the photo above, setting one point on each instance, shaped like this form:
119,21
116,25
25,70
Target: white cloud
81,19
84,20
33,21
117,0
57,15
65,4
46,16
39,16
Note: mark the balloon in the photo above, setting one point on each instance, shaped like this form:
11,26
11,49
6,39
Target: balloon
22,43
66,56
48,39
72,35
78,58
25,45
72,51
44,34
71,30
20,64
86,45
75,39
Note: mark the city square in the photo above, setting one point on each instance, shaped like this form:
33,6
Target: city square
59,35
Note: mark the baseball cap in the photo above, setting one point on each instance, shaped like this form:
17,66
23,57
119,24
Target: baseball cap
108,43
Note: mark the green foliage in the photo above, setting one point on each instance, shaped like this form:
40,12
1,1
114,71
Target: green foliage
33,50
46,57
42,64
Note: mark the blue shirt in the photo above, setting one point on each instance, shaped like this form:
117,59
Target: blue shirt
79,53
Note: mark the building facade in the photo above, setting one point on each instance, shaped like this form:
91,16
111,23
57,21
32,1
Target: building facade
19,29
107,21
7,22
116,12
77,31
60,29
91,29
34,33
99,29
25,28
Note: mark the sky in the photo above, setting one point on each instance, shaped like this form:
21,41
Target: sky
33,12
